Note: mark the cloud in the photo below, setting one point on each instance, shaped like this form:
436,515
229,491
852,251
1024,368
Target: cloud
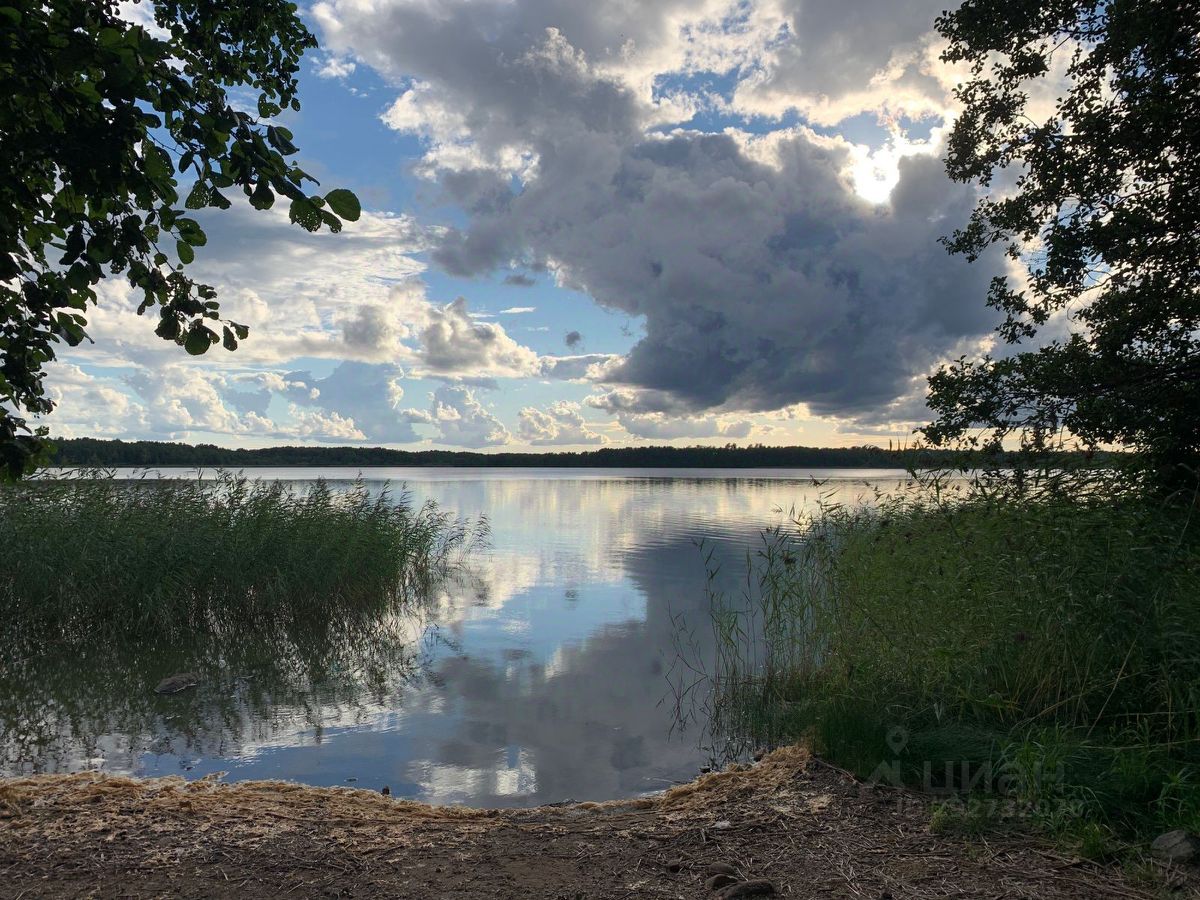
835,60
661,427
651,414
87,406
180,401
573,339
461,420
365,396
252,392
335,67
455,343
517,310
762,278
519,280
562,423
331,426
338,296
587,367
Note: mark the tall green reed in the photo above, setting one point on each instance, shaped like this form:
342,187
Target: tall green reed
90,553
1046,635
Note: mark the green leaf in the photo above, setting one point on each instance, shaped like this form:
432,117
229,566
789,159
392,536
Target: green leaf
71,329
281,140
190,231
199,196
262,198
78,277
186,253
344,203
168,328
198,340
304,213
158,164
228,340
13,15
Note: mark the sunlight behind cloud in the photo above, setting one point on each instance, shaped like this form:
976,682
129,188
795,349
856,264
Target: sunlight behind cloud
876,172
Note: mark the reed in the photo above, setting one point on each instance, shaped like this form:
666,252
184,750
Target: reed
89,554
1044,651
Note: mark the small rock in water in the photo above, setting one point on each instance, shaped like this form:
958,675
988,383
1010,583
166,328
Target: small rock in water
718,881
176,683
387,791
1176,846
759,887
351,780
720,868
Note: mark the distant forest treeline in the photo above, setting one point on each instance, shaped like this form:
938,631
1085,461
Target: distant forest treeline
94,452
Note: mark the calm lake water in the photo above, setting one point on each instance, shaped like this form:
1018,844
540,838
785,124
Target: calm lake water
544,674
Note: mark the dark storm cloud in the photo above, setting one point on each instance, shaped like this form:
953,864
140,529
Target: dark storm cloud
761,285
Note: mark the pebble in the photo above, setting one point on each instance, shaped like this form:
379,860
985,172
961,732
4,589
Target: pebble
759,887
719,881
1176,846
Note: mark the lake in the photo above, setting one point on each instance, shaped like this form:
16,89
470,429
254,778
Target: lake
548,671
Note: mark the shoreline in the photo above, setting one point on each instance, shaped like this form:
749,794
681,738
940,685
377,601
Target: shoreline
787,826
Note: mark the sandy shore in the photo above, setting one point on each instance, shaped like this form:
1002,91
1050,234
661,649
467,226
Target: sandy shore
789,826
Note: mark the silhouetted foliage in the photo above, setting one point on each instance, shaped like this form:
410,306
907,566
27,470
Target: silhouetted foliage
100,120
1096,195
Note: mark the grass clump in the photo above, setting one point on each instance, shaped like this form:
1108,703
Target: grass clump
1043,651
90,554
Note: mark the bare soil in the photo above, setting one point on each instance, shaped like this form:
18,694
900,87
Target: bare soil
788,825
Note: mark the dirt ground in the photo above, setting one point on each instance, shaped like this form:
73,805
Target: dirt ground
789,826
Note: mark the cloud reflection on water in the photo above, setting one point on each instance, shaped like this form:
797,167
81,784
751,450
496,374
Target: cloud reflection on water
541,677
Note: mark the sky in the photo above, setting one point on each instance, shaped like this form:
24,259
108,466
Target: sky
603,223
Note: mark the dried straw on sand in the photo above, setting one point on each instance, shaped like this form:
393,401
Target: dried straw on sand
788,825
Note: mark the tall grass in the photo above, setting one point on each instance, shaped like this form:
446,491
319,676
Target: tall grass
1042,649
166,558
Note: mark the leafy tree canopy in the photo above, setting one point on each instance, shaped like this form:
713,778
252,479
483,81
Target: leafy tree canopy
1097,197
110,134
